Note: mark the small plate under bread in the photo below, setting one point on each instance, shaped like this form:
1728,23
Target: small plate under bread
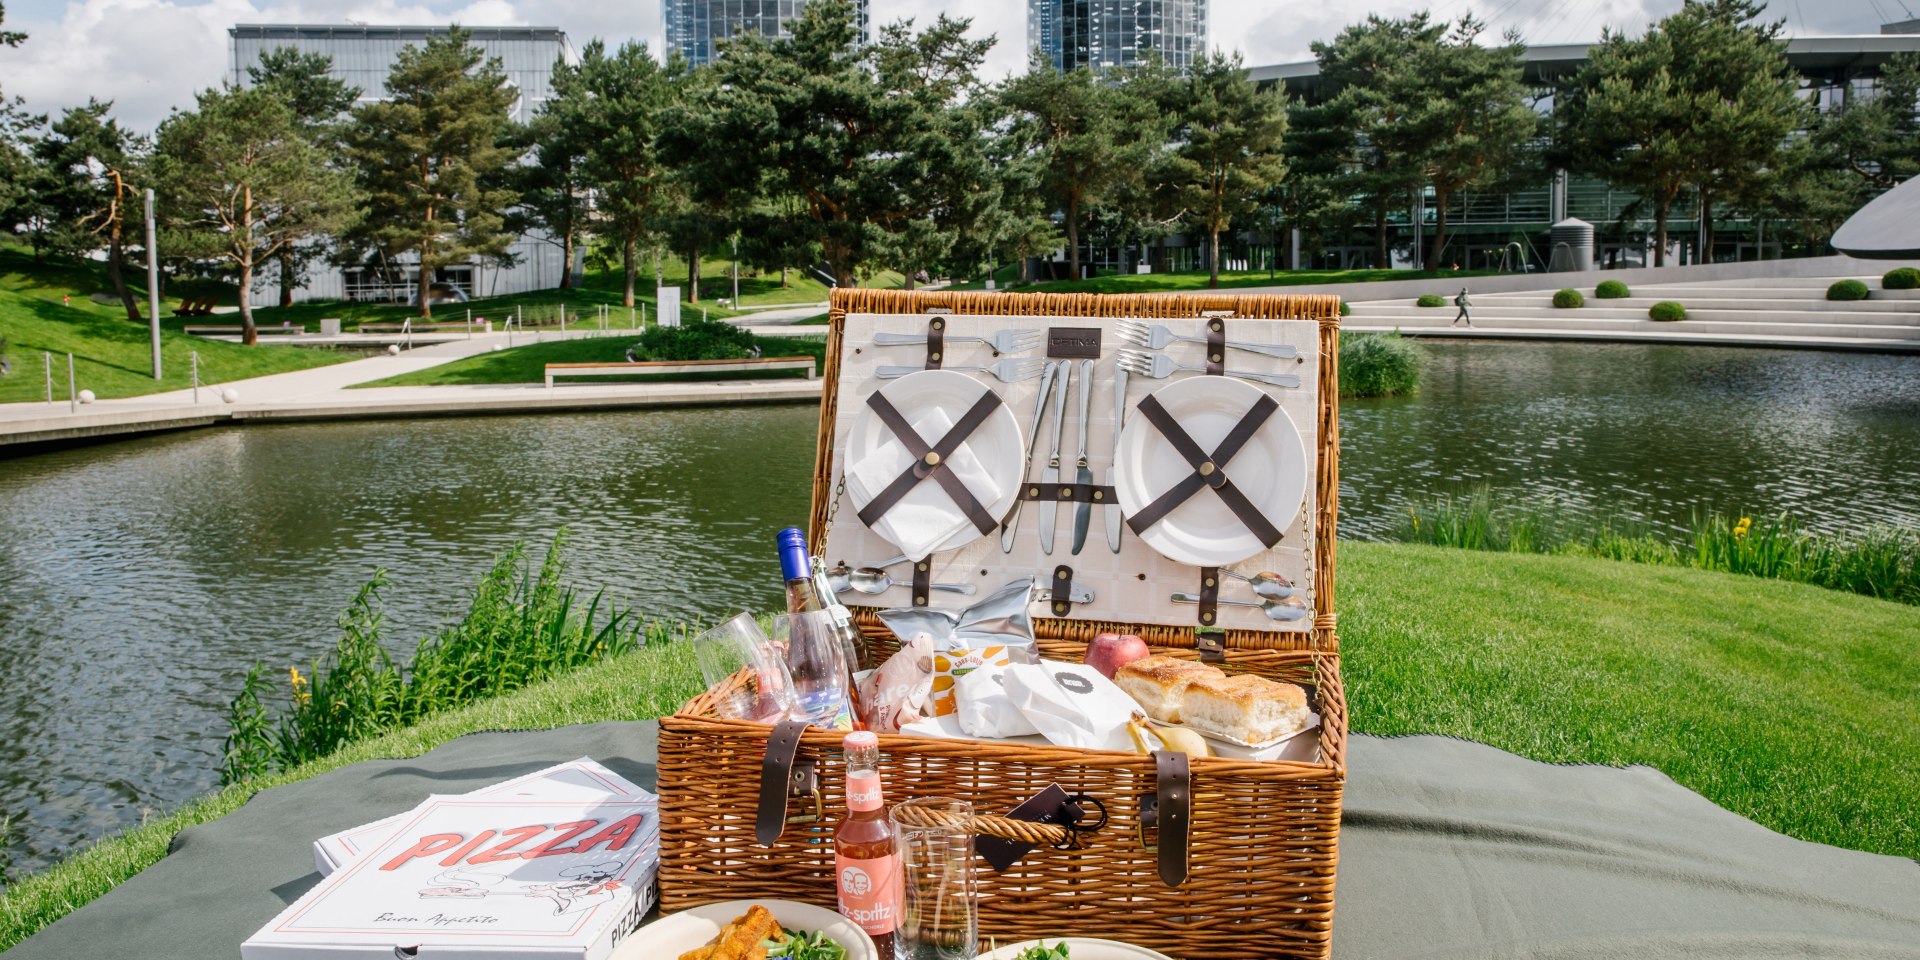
1297,745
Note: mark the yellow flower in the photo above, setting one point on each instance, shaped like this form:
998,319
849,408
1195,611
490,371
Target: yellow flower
1740,529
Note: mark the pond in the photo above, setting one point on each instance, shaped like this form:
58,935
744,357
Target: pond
145,576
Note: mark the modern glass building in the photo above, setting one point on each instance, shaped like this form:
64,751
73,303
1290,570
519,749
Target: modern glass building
363,56
697,27
1103,34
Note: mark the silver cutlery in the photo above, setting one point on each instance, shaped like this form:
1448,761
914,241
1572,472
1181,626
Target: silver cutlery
1050,477
1160,366
1005,341
1267,584
1276,611
1009,371
1083,511
1033,441
873,581
1119,420
1157,337
1043,587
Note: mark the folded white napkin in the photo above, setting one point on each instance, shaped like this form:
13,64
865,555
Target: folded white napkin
926,517
1071,704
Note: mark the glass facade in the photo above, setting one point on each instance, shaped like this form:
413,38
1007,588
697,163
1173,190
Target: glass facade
1104,34
697,27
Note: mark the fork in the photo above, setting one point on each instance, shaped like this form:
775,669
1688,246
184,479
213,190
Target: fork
1160,366
1004,341
1158,336
1009,371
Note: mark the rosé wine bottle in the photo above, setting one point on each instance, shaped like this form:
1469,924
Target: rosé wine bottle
866,867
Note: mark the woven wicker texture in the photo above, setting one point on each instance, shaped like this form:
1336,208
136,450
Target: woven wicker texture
1264,836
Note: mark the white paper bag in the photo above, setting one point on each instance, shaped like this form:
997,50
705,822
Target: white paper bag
1071,704
985,709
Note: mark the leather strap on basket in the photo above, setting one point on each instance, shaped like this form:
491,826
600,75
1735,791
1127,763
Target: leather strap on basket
1173,813
922,581
936,342
1209,596
1216,346
931,461
776,779
1062,591
1208,470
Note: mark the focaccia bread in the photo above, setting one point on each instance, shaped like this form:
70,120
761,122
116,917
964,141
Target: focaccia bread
1245,707
1159,683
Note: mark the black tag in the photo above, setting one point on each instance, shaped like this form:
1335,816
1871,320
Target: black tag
1079,343
1047,806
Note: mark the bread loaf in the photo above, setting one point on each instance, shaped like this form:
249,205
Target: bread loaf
1246,708
1159,683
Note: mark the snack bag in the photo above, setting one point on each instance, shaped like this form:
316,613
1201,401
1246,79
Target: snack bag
901,691
1072,704
949,666
983,708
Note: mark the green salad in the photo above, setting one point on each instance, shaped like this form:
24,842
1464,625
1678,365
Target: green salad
806,946
1041,951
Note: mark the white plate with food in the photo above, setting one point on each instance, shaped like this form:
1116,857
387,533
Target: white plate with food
1270,470
807,932
1072,948
988,462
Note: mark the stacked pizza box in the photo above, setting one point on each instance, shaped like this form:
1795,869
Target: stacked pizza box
557,864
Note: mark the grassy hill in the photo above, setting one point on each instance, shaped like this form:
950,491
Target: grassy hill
528,364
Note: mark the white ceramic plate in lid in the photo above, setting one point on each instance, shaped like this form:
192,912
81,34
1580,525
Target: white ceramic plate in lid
927,520
670,936
1271,470
1080,948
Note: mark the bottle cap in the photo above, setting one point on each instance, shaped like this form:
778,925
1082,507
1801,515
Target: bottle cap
792,544
861,739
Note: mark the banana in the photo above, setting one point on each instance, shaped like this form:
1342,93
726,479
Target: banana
1147,739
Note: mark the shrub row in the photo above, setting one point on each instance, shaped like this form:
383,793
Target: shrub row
1380,364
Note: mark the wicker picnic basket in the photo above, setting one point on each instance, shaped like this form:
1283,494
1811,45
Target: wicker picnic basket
1260,838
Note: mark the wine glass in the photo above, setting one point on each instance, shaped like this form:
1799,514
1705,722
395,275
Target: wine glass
737,651
817,662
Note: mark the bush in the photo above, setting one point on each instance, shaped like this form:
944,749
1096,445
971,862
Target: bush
1901,278
1568,299
696,340
1612,290
1847,290
1667,310
1380,365
1345,309
1430,300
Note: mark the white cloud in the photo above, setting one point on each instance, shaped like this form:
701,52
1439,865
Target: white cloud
151,55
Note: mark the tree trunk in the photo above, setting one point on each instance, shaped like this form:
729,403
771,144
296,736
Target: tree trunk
783,278
1380,259
1439,230
114,253
1706,227
286,275
693,277
1073,239
1213,259
424,295
1660,232
248,334
629,251
566,260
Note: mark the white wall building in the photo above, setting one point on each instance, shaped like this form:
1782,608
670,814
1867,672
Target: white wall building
363,56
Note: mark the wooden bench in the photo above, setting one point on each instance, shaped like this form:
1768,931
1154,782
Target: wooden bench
420,327
194,307
618,368
235,329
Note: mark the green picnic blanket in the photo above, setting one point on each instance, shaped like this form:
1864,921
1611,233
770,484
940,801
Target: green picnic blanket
1449,849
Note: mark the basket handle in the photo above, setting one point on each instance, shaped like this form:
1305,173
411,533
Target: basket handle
781,777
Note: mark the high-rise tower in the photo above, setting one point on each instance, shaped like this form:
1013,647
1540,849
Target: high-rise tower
697,27
1103,34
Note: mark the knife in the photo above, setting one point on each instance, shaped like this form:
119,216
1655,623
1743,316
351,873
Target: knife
1050,477
1033,442
1119,420
1083,513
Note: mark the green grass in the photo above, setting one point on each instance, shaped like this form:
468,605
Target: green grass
1194,281
1782,702
1380,364
528,364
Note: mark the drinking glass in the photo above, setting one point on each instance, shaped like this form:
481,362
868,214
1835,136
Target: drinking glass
938,909
817,662
737,651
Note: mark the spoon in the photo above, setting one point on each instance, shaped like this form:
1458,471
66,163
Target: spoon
1268,584
1281,612
873,581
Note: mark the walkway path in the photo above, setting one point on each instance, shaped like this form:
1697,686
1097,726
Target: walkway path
322,393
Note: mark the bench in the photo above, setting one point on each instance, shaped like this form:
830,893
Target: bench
234,330
420,327
194,307
619,368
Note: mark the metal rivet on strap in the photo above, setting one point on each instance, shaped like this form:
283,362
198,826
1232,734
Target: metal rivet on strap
937,324
1216,326
1215,358
932,458
934,357
1066,493
1062,574
1206,618
921,566
920,601
1035,492
1211,583
1207,469
1097,494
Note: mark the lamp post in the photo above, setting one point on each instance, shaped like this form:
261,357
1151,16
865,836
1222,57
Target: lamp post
736,271
153,288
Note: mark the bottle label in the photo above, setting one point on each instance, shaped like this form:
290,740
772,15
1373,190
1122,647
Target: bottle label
841,614
870,892
863,791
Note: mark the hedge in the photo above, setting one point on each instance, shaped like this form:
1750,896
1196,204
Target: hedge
1847,290
1667,310
1430,300
1612,290
1901,278
1568,299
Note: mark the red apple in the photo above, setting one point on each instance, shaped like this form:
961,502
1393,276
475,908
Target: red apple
1110,651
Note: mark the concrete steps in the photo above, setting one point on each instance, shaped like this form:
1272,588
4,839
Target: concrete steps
1549,317
1698,301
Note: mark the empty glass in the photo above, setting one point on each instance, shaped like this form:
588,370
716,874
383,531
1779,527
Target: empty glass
938,911
817,662
746,671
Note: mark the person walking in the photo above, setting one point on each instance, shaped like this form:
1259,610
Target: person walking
1463,303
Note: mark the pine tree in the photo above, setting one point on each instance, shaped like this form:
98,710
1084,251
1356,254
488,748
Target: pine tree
1072,125
1227,148
614,105
431,156
242,180
91,167
305,83
1876,136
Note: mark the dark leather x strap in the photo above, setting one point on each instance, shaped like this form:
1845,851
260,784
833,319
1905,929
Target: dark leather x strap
931,461
1209,470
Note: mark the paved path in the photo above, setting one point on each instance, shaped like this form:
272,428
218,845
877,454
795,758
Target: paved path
322,393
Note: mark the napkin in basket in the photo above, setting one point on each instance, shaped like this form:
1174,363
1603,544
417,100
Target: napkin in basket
926,517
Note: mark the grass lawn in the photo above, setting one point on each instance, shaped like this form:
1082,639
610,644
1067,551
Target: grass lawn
528,364
1196,281
1785,703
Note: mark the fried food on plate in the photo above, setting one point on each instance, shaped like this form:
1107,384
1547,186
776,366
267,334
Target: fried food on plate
741,938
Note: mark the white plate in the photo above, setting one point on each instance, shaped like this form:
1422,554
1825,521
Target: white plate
997,443
1080,948
1271,470
671,936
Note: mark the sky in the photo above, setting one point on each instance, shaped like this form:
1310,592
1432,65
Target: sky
149,56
